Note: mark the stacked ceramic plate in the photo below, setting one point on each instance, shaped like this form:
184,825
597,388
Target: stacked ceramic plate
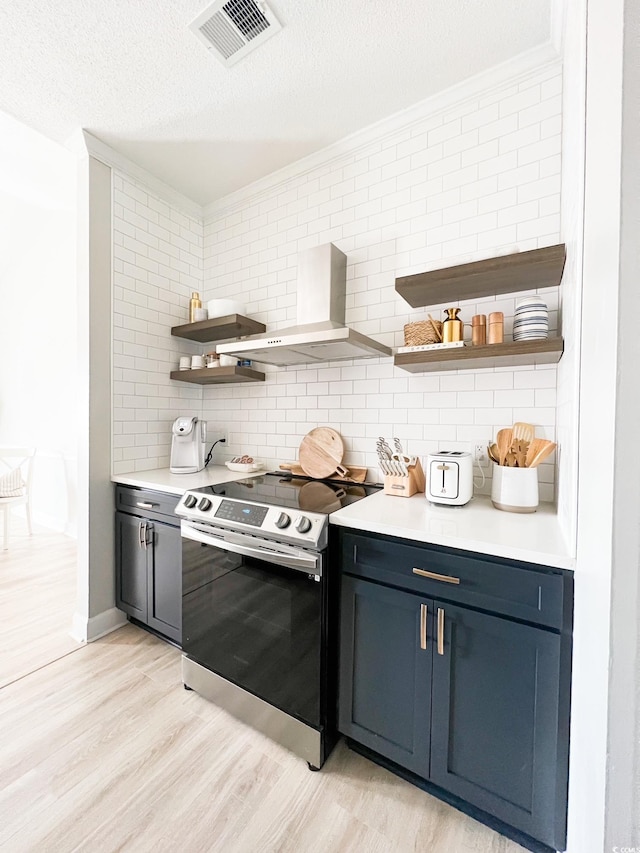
531,320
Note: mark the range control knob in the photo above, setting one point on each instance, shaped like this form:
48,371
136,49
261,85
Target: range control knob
190,501
283,520
303,524
204,504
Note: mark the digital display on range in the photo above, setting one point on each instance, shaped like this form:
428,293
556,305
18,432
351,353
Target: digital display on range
245,513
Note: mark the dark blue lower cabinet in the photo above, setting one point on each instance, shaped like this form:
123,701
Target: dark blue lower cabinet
131,567
495,733
164,599
469,701
149,573
385,675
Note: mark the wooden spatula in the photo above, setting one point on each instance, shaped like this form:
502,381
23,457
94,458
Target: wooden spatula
523,431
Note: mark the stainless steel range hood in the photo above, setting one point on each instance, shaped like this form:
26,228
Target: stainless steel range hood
320,333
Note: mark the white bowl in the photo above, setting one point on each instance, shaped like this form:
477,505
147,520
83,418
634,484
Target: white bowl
227,360
244,468
222,307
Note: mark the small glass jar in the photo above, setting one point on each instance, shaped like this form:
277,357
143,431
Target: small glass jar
212,360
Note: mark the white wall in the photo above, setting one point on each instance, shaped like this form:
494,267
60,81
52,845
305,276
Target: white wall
623,777
602,762
476,177
573,49
466,176
38,353
95,612
157,261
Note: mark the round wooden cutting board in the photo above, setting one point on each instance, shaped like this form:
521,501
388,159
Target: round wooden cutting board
321,452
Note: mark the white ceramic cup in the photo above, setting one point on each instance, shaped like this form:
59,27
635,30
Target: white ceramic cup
514,489
197,361
185,362
200,314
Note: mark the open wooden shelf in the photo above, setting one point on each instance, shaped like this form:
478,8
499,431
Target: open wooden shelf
511,354
218,375
505,274
218,329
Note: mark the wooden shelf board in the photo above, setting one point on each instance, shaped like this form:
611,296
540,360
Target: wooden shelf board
218,329
510,354
218,375
505,274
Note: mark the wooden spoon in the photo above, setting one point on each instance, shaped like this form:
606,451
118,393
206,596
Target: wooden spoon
536,445
436,329
503,440
493,453
546,450
523,431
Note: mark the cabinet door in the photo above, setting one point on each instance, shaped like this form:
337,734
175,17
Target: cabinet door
385,675
164,555
131,567
495,727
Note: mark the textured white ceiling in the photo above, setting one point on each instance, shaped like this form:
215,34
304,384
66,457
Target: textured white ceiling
131,72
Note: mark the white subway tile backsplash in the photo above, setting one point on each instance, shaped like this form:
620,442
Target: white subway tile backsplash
495,418
461,177
478,178
479,117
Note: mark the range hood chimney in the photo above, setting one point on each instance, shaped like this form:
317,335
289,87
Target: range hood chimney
320,333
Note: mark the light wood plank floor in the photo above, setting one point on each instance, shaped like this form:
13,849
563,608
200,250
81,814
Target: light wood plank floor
103,750
37,599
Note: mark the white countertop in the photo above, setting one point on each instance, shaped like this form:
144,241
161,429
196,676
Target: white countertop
533,537
163,480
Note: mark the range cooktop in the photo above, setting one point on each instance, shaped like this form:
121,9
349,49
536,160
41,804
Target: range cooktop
281,508
292,492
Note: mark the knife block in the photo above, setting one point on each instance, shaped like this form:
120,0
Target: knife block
404,487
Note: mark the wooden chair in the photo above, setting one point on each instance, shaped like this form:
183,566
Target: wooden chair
16,459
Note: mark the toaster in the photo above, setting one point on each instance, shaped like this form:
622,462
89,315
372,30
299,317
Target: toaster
449,477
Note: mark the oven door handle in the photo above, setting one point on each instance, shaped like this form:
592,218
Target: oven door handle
310,564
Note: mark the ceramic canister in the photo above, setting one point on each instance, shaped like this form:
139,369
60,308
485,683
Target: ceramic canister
514,489
531,320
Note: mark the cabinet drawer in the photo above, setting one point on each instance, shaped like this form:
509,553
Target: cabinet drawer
146,502
525,591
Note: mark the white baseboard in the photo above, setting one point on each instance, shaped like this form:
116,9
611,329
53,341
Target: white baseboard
85,630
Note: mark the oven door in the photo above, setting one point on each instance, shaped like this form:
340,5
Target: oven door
252,613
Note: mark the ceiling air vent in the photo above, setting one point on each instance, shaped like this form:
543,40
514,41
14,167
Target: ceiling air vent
233,28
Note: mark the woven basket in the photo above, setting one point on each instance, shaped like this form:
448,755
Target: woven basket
422,332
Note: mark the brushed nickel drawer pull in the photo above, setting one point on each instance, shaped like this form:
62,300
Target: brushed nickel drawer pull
440,631
423,626
145,505
435,577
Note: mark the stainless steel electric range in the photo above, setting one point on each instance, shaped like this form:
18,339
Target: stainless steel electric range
259,602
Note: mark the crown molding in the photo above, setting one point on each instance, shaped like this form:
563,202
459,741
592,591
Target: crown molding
82,142
516,69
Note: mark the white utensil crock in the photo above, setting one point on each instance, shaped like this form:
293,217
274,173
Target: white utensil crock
514,489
